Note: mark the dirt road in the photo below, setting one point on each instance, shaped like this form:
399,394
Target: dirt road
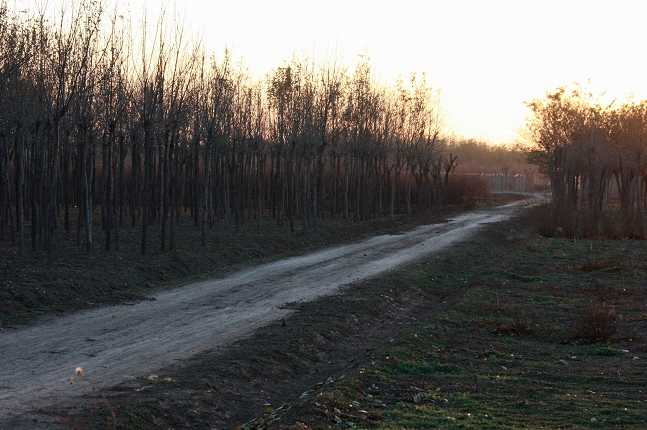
118,343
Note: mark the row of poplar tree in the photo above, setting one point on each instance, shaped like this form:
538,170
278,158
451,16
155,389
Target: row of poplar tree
595,154
139,121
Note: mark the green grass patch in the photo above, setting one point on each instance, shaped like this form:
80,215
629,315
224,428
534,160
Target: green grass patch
504,354
408,369
608,351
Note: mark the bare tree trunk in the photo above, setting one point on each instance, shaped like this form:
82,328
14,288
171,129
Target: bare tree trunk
53,195
106,181
408,186
346,192
304,196
290,177
315,192
121,180
236,189
86,169
173,174
259,188
5,188
279,190
66,183
34,214
196,179
393,190
146,194
20,190
162,213
206,190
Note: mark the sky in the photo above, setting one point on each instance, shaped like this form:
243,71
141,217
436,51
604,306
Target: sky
486,56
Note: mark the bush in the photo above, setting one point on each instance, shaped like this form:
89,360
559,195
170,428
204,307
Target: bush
542,219
567,222
598,323
466,188
576,222
520,323
609,228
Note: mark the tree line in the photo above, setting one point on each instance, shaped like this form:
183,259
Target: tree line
589,149
136,123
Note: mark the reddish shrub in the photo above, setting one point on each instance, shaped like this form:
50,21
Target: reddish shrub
466,188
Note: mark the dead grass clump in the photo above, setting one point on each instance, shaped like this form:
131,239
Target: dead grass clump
601,293
529,242
595,265
84,423
504,317
520,321
598,323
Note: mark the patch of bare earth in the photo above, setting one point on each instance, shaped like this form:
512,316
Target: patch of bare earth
328,338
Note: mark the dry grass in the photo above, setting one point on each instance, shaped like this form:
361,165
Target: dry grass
598,323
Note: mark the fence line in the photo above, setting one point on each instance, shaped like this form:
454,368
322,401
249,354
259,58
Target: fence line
500,182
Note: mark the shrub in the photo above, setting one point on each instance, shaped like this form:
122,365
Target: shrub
520,323
609,227
598,323
600,293
568,222
541,217
466,188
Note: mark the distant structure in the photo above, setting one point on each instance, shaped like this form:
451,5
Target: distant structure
528,182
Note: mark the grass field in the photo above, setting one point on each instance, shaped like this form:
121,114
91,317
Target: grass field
539,333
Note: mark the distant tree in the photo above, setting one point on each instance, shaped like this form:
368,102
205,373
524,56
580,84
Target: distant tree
134,116
582,143
552,126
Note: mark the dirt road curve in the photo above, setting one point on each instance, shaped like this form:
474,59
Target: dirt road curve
117,343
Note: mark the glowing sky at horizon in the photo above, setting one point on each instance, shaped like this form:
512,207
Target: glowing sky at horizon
488,57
